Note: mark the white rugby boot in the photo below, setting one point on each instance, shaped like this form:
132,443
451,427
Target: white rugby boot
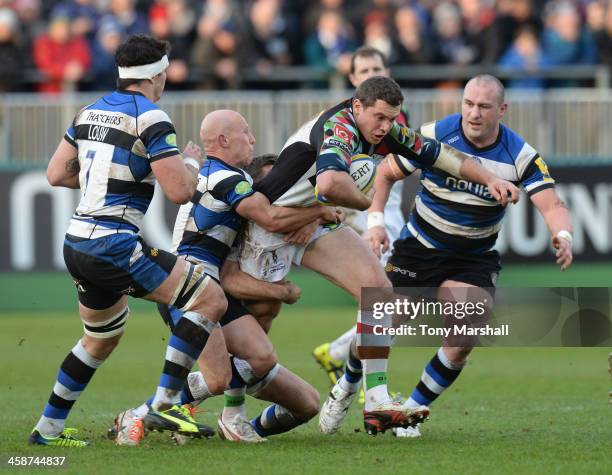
334,409
238,430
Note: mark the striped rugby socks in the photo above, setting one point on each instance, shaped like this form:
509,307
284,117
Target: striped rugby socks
186,343
74,374
437,376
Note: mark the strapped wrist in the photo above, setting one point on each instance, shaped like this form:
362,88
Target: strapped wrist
376,218
564,234
192,162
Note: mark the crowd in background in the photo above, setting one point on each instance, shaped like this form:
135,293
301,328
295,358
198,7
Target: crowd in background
49,45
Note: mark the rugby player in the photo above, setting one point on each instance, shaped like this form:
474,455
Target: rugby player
366,62
315,162
204,233
448,239
115,150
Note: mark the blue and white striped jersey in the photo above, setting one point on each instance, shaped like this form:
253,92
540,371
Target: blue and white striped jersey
206,228
454,214
117,138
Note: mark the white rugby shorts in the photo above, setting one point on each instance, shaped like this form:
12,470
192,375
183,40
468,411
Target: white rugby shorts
265,256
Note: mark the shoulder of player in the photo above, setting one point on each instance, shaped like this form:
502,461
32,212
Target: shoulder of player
340,115
215,174
519,151
446,128
151,116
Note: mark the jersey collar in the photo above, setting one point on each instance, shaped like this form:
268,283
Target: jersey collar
212,157
481,149
129,92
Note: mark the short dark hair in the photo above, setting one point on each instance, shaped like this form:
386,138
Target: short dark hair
379,87
138,50
256,166
367,52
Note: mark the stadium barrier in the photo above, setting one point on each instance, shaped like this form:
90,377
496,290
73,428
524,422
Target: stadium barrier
34,218
563,124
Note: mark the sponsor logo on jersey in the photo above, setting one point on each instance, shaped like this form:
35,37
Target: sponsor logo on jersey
339,144
154,252
171,139
453,139
544,170
342,133
106,119
242,188
97,133
455,184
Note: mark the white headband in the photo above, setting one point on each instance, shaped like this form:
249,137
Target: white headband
144,71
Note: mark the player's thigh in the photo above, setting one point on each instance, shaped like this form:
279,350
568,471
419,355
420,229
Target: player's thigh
458,348
457,291
345,259
246,340
188,287
264,311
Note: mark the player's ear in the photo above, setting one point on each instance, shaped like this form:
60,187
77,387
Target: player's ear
352,79
357,106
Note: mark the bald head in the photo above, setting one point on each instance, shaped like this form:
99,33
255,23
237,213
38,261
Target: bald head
488,81
226,135
218,123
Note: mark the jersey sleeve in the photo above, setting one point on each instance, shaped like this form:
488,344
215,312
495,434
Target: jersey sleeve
70,135
340,140
157,134
413,146
405,166
536,176
233,189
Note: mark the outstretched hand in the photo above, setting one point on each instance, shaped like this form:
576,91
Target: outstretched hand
564,253
503,191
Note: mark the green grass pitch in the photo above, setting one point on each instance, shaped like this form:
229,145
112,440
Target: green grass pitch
512,411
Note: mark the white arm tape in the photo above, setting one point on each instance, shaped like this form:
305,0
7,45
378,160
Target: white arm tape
450,160
563,234
191,162
376,218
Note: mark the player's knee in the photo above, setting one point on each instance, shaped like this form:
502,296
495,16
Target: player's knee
212,302
458,354
263,362
100,348
218,381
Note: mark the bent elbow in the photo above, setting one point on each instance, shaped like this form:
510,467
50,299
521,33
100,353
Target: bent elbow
273,226
325,185
182,199
179,197
53,178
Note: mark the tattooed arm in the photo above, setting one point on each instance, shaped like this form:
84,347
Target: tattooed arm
63,169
